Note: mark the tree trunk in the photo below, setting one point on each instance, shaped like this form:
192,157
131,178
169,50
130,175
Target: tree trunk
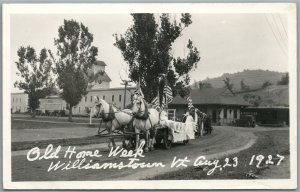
70,114
33,114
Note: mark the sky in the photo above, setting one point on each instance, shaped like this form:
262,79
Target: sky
227,43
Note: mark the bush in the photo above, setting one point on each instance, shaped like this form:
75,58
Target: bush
284,80
266,84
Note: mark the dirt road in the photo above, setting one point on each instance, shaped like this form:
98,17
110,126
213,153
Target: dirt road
223,141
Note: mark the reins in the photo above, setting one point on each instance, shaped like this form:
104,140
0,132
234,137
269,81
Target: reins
118,111
111,117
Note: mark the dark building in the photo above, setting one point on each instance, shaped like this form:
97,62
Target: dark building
272,116
219,103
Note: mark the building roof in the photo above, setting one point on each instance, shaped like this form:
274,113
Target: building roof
105,77
52,97
19,93
218,96
268,107
100,63
111,89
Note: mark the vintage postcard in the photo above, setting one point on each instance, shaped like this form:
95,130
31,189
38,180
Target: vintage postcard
149,96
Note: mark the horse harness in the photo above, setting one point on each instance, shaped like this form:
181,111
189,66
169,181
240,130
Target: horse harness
111,116
145,116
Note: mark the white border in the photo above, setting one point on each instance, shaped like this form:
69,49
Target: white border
287,8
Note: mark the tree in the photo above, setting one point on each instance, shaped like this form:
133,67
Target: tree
253,99
284,80
146,47
266,84
204,85
244,87
228,85
35,74
76,57
195,85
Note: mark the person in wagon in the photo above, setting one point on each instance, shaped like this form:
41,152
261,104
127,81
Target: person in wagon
163,117
190,117
185,115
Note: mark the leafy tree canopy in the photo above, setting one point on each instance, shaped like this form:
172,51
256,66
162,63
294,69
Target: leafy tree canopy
75,59
204,84
244,87
284,80
146,47
228,85
266,84
35,75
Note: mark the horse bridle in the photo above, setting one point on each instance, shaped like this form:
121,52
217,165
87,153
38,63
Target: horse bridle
98,105
139,109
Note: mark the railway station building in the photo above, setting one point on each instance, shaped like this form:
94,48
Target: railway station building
220,104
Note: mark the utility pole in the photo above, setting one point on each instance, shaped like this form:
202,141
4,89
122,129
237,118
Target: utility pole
125,83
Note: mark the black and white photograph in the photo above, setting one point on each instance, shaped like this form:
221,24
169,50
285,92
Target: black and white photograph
149,96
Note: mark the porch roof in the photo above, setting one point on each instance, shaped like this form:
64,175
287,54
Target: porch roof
217,96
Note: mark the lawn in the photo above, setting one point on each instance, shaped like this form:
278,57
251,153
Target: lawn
268,143
50,122
16,146
28,134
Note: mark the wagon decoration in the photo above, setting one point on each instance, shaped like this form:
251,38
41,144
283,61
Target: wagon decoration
169,131
151,123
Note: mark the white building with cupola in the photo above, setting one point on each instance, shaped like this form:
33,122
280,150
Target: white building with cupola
98,88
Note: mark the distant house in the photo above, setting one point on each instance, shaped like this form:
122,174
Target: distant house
19,102
219,103
52,103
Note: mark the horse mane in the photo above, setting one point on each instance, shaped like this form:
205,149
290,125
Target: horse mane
110,115
146,112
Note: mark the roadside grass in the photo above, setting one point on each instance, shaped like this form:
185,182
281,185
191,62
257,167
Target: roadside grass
268,143
47,125
81,120
24,145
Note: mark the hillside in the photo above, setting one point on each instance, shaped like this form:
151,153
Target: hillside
275,95
253,78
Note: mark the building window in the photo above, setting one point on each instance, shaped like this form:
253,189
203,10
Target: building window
85,98
91,98
225,113
112,98
103,97
79,109
235,113
20,100
120,98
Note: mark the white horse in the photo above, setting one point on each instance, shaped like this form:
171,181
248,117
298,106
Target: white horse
145,120
113,118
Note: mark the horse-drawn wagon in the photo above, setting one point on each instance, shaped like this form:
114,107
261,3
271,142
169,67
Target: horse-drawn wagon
169,131
152,124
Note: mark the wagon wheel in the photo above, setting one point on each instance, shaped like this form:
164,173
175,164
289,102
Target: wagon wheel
158,140
132,141
185,142
167,142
